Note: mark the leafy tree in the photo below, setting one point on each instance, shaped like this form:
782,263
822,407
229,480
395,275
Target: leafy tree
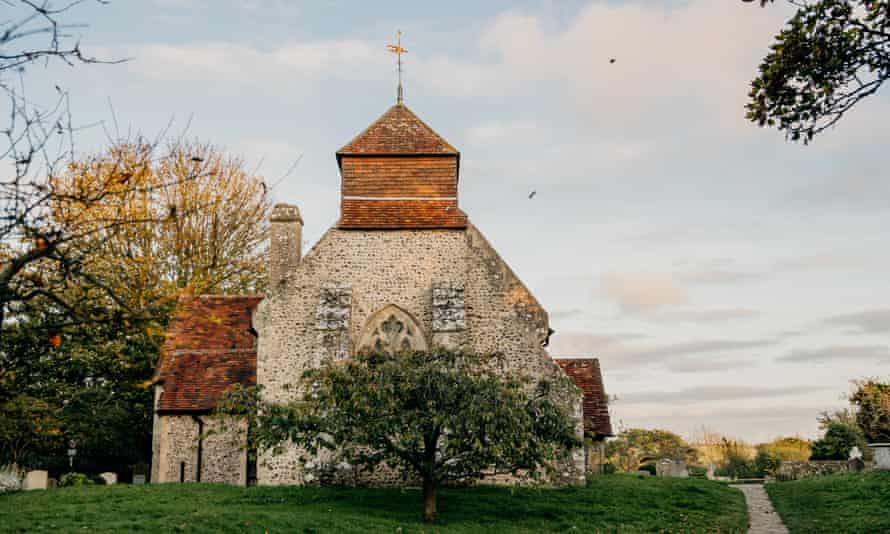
209,222
441,416
872,399
636,445
830,55
839,438
26,424
92,382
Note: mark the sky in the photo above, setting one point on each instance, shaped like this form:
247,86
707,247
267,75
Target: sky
727,279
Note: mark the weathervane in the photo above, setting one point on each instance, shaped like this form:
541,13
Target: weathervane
398,51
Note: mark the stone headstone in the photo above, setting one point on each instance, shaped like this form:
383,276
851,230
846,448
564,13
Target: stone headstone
671,468
857,465
109,478
882,455
710,474
643,473
138,480
35,480
52,483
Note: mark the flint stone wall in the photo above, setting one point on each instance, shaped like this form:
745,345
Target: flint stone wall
223,458
452,282
815,468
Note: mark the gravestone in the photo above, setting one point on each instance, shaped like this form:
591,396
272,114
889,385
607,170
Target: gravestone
643,473
710,474
138,480
882,455
35,480
109,478
671,468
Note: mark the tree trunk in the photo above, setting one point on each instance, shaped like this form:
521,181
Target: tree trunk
429,499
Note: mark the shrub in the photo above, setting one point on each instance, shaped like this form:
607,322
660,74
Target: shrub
74,479
837,442
766,463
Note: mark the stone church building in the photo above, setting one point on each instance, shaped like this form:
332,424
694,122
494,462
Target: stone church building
402,268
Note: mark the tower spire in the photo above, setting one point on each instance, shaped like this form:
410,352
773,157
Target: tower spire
398,51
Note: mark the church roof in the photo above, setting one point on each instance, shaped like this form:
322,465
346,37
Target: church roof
210,348
588,377
397,132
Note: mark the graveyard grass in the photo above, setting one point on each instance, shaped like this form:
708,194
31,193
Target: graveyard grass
835,503
613,503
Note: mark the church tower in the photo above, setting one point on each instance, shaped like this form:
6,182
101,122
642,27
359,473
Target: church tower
399,173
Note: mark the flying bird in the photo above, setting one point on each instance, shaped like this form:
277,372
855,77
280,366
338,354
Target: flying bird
197,159
532,195
612,61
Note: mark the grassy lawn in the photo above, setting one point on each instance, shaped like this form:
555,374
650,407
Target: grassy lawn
609,504
836,503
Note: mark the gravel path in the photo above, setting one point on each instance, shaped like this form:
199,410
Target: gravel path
762,519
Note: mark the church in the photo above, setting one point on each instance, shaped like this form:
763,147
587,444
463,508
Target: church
403,268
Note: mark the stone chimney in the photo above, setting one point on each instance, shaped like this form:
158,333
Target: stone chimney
286,234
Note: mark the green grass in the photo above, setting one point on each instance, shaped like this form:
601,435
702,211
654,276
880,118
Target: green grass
837,503
609,504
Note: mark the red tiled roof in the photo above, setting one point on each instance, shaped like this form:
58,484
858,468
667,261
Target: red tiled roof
397,131
393,214
210,347
587,376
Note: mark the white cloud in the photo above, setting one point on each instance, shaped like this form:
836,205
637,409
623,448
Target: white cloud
642,292
868,321
246,63
877,353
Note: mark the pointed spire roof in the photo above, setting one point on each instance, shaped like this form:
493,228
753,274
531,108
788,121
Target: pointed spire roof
397,132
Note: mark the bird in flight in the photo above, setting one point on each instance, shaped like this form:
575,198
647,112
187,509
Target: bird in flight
612,61
532,195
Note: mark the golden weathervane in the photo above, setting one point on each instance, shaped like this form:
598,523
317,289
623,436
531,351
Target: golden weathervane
398,51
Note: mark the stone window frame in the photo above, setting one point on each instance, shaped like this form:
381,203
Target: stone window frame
396,323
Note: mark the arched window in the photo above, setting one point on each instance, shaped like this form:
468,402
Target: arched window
392,329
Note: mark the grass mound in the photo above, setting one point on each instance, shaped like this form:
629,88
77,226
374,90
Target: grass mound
837,503
607,504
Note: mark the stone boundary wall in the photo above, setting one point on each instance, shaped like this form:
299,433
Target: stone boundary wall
789,471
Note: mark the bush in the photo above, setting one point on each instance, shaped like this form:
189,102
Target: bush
766,463
74,479
837,442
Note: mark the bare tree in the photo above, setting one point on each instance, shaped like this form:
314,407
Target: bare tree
44,243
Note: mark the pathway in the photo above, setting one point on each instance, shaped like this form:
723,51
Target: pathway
761,516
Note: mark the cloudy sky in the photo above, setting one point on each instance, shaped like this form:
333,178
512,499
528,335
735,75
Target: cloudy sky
725,278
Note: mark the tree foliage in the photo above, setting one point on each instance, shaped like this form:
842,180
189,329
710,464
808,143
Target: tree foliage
92,384
634,446
837,442
830,55
872,400
199,221
440,416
